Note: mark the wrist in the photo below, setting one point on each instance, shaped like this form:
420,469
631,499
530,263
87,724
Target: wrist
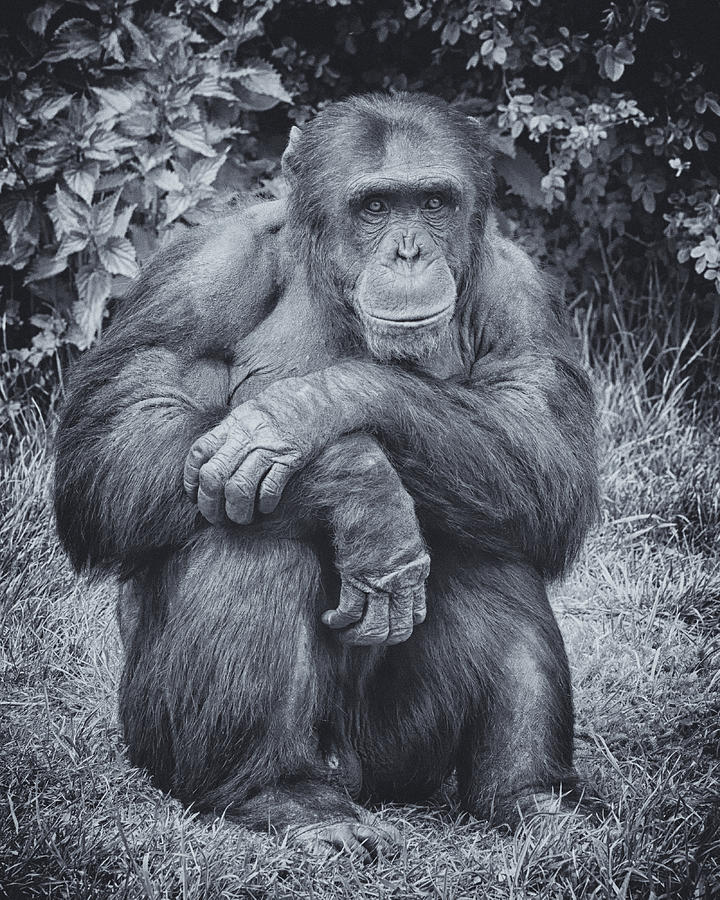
402,578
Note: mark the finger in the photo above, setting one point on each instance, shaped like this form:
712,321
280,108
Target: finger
201,451
349,610
401,617
274,483
215,473
375,625
241,489
210,497
419,606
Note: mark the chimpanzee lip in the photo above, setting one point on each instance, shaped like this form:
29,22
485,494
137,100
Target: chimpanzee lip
411,322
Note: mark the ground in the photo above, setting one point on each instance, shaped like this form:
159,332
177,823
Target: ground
641,617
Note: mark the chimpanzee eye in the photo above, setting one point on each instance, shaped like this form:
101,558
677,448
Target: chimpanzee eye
434,203
375,205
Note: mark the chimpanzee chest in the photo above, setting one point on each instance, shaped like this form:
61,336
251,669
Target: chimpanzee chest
292,340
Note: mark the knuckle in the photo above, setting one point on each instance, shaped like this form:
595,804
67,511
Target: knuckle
271,487
203,446
237,489
197,451
399,637
211,479
374,635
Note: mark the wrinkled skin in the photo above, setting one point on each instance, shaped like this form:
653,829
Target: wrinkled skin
333,448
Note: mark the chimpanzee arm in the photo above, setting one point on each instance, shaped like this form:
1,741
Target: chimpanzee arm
502,460
155,382
119,497
120,448
380,554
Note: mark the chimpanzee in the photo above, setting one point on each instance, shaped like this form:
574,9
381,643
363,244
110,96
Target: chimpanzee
334,447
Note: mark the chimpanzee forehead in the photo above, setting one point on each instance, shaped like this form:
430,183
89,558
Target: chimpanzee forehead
405,158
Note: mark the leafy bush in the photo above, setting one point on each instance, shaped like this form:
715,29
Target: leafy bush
124,120
116,125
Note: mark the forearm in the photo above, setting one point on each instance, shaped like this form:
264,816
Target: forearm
379,550
509,454
354,490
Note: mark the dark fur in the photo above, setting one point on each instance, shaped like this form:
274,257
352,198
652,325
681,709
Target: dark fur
234,695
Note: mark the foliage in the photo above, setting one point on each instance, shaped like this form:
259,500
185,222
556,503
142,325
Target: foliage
123,121
117,123
606,120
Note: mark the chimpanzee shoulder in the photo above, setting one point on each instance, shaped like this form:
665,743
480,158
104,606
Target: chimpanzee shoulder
217,279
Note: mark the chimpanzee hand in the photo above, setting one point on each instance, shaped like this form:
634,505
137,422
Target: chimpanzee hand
252,454
383,611
248,456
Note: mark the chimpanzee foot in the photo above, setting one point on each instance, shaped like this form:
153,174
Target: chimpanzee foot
550,804
363,840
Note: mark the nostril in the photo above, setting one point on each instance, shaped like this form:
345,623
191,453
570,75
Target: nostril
408,249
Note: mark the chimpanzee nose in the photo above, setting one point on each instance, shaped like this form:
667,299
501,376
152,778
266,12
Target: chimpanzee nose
408,248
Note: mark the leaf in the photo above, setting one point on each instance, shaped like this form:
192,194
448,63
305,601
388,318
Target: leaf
93,287
450,33
45,267
210,86
648,201
118,256
119,101
259,86
51,106
523,177
110,141
103,217
16,223
499,55
610,66
139,123
205,171
38,19
167,180
712,102
20,255
82,178
176,205
68,214
73,243
122,221
623,51
74,39
192,136
111,181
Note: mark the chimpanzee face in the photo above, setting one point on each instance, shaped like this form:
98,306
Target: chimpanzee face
388,204
402,221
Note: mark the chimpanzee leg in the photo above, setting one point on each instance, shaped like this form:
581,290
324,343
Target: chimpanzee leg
516,752
227,678
482,685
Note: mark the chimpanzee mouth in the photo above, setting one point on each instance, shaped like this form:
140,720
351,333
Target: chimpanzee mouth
411,321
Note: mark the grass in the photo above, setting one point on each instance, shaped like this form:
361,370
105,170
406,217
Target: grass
641,617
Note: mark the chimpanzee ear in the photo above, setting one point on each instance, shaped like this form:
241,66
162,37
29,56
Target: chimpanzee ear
287,161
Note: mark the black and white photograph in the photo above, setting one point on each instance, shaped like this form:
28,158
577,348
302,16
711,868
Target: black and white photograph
359,449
